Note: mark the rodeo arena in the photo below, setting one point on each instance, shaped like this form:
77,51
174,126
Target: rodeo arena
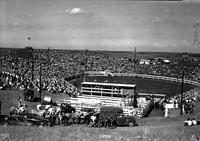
97,91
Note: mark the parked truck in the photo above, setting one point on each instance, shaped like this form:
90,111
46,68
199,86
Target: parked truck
112,117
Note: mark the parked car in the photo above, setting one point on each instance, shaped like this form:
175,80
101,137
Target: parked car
112,117
29,95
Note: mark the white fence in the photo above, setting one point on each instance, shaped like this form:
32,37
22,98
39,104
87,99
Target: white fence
159,78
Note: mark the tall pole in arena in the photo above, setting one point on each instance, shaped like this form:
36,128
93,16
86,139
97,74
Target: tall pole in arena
29,51
182,86
48,57
134,58
182,80
28,56
86,60
32,72
32,64
40,89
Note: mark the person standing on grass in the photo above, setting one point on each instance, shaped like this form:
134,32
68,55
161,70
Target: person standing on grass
194,121
19,101
188,122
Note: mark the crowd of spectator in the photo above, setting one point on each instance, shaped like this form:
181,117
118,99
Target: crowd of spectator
189,99
18,72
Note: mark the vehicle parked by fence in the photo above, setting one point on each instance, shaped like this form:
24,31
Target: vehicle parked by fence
111,117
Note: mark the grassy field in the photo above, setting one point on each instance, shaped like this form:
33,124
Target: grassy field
83,133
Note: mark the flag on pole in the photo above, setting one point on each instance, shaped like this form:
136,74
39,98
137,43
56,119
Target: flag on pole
196,34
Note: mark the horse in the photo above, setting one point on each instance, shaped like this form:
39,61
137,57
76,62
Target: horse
67,108
54,115
94,120
66,112
85,117
66,118
13,110
75,117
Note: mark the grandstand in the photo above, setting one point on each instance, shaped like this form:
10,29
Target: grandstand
107,89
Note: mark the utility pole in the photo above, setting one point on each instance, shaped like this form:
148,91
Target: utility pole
48,57
134,58
40,88
40,91
135,103
86,60
182,86
29,51
28,57
9,54
32,71
182,82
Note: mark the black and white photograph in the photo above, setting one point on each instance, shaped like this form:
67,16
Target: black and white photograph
99,70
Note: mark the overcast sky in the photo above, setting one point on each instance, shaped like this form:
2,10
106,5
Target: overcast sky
100,25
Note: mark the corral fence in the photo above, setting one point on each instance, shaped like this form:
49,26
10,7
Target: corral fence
165,78
194,91
96,102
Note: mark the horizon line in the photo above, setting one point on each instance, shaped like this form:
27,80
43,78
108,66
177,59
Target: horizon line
46,48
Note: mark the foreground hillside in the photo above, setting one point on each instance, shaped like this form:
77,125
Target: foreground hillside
83,133
152,129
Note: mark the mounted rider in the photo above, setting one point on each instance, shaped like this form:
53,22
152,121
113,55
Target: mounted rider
19,102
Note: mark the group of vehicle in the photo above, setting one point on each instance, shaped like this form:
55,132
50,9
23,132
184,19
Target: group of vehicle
66,115
107,117
49,113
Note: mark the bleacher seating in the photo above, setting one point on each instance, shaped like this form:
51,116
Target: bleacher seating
97,101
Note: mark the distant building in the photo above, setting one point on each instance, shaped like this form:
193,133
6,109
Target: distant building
144,62
166,61
161,60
